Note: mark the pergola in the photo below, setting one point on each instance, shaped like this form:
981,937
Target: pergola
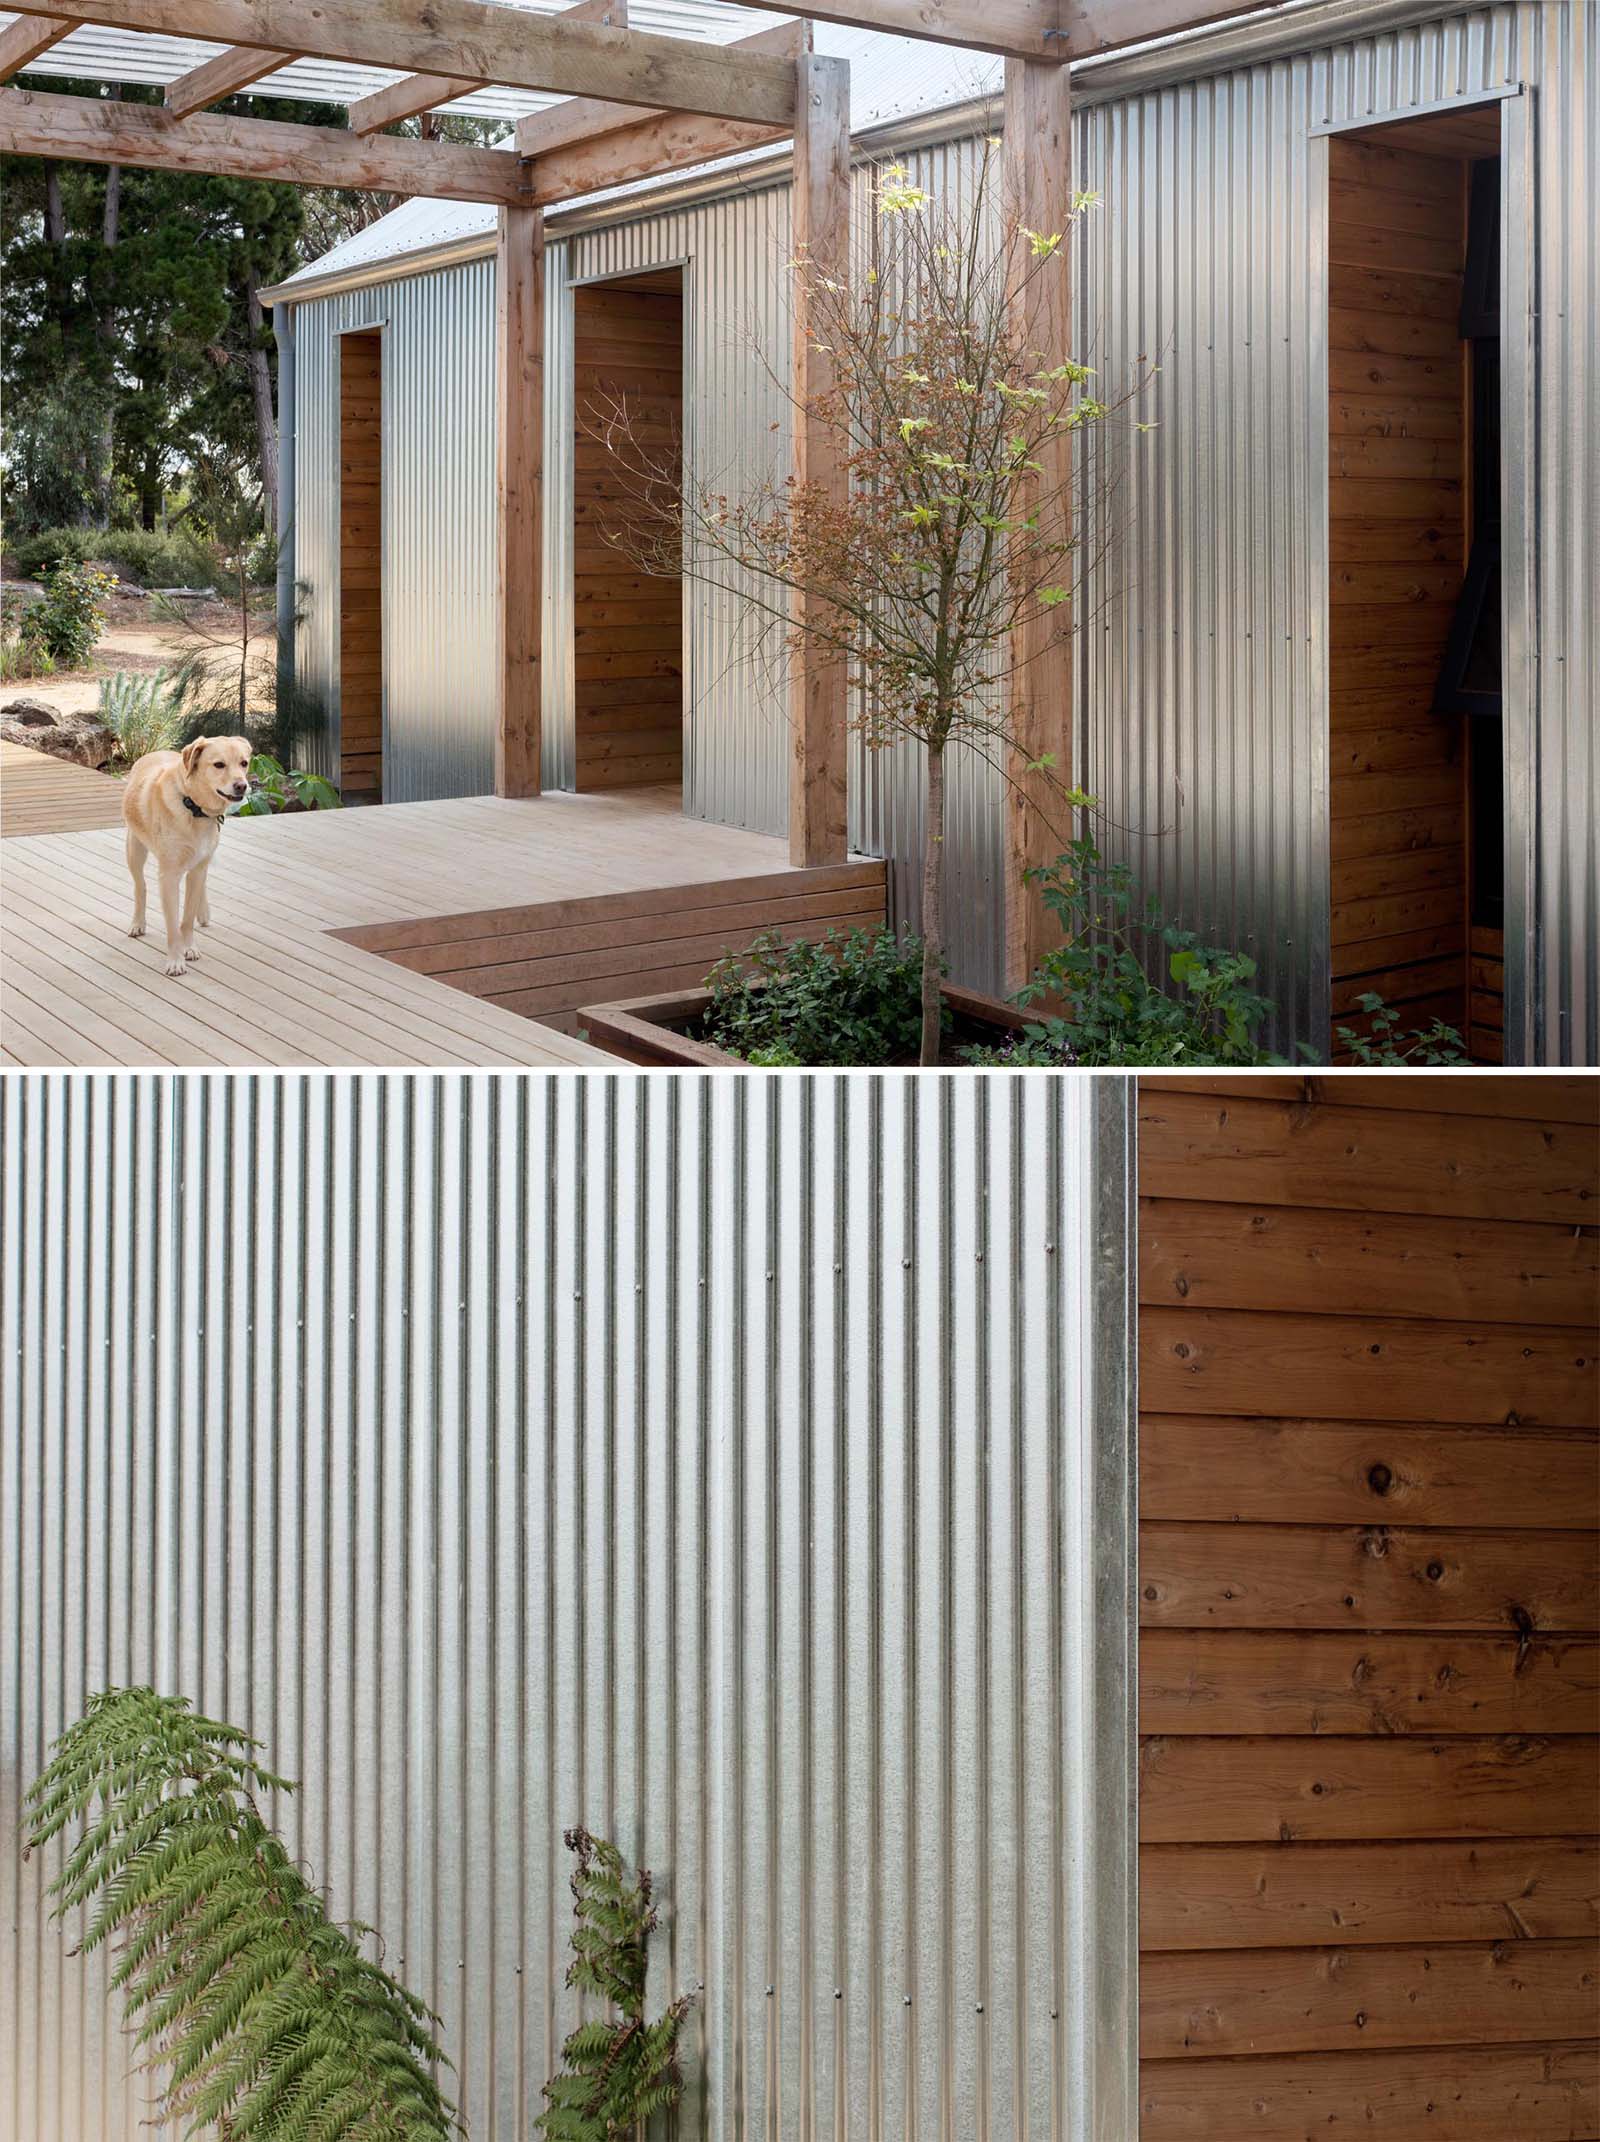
638,104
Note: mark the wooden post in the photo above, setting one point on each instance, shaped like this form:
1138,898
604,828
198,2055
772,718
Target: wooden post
818,812
1038,197
519,322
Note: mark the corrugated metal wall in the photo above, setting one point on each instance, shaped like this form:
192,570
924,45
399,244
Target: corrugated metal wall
1205,695
438,523
1203,655
740,1467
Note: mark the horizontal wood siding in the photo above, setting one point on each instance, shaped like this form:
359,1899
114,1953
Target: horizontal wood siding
547,961
1369,1669
627,624
1398,515
361,567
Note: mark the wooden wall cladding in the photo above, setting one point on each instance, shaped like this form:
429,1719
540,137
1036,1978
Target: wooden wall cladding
1398,529
361,567
628,625
1369,1668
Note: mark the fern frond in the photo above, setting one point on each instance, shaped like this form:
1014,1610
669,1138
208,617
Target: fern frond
262,2015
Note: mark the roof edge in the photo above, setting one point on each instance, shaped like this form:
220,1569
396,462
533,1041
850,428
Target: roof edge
1213,48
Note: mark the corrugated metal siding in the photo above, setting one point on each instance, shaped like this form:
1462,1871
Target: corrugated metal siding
438,524
739,1467
1205,704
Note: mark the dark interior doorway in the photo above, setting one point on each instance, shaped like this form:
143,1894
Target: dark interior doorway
1417,834
361,567
628,621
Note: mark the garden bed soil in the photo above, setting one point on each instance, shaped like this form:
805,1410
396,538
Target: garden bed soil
662,1030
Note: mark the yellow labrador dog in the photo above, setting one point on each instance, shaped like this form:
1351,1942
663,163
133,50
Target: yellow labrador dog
173,804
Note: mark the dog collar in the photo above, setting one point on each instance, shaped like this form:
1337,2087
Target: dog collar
189,804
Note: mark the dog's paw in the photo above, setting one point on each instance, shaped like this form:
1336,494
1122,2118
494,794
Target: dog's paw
177,968
136,929
190,953
204,921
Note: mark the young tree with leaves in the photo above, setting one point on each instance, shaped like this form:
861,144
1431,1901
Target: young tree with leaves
952,535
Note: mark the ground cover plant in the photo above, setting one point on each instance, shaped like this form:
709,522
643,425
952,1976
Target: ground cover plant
263,2017
849,999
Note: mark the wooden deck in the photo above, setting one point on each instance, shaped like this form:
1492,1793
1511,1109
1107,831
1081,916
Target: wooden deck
274,988
41,794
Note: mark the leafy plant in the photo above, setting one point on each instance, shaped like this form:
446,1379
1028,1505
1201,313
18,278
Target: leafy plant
1384,1043
943,580
280,788
20,658
67,619
140,713
619,2071
852,999
1111,1012
154,560
268,2020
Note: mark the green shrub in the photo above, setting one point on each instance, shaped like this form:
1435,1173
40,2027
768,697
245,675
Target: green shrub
68,617
618,2071
153,560
39,555
847,1000
140,713
266,2016
276,788
1112,1012
1384,1043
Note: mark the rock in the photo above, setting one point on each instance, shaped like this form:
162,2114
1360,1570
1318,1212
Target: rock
78,737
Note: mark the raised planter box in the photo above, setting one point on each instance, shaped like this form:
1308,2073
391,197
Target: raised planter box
650,1030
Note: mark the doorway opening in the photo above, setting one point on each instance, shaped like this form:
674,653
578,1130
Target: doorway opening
628,616
1418,825
361,567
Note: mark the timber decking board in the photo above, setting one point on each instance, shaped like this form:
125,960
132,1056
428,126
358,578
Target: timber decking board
1397,510
43,794
274,987
1370,1768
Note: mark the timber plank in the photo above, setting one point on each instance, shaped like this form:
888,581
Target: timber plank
1225,1791
1198,1897
1265,1576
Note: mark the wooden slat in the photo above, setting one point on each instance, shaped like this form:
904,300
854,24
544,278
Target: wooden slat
1320,1472
28,39
1233,1790
480,40
43,794
1199,1897
1249,1681
1196,1576
1269,2001
584,119
1271,1257
98,131
1526,2094
426,92
221,77
1366,1159
1365,1368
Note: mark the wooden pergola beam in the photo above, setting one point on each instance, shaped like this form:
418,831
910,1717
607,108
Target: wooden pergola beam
426,92
1029,29
21,43
475,40
1037,196
1092,26
222,77
673,142
819,741
584,119
89,130
519,594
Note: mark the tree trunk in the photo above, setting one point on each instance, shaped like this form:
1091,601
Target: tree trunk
261,397
933,908
55,213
